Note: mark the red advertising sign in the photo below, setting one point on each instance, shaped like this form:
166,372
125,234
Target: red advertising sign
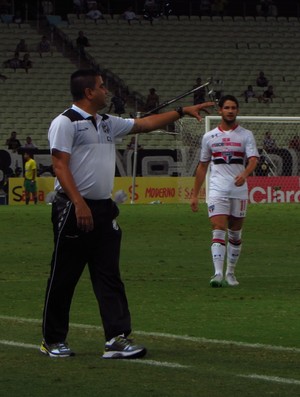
274,189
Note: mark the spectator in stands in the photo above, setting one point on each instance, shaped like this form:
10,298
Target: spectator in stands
81,42
22,46
150,10
249,93
270,146
29,144
44,46
295,143
91,3
17,18
199,95
129,15
13,63
273,10
218,88
218,7
131,144
119,104
26,62
79,7
166,8
94,13
13,143
152,100
206,7
269,143
266,8
261,80
267,95
47,7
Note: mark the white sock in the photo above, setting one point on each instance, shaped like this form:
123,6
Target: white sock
218,250
234,247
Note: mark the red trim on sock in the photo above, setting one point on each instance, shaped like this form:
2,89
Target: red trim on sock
216,240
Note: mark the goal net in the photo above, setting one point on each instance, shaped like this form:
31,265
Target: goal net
276,178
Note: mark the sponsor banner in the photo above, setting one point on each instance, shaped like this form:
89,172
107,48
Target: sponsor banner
147,189
158,189
274,189
16,193
173,189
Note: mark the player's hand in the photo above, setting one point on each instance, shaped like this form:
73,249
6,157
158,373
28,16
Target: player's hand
240,180
194,204
194,111
84,217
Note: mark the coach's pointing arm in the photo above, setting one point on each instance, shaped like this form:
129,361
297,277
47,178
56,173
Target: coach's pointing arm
156,121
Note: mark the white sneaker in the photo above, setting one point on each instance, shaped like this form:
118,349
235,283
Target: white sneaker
216,281
231,280
121,347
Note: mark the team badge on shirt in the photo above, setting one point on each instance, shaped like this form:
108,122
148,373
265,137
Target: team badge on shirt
227,156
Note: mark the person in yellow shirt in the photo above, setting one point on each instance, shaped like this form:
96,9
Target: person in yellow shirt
30,178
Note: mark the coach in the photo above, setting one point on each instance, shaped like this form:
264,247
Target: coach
84,215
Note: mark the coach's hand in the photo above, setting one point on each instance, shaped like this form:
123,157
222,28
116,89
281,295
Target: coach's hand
195,110
84,217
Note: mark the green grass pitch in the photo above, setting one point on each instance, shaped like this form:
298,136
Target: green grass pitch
201,341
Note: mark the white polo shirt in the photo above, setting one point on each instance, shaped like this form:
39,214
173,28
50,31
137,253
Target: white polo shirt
228,152
92,149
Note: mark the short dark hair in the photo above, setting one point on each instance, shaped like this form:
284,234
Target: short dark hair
80,80
225,98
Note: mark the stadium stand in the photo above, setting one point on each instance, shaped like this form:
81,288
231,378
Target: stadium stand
168,55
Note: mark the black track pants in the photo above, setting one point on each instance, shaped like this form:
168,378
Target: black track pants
73,249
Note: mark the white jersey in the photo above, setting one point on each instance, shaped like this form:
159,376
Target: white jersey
92,149
228,152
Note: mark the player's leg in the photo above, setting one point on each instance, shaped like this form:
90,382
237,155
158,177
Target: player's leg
234,244
68,261
104,255
27,197
34,192
218,210
27,191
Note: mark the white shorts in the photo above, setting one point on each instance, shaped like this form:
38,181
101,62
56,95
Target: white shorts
227,206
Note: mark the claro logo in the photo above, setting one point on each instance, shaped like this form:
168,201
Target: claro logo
270,195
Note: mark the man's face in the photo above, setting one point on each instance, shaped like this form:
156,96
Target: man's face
99,94
229,111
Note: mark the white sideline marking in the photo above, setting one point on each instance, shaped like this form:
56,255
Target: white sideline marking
159,363
138,361
272,379
171,336
220,341
167,365
18,344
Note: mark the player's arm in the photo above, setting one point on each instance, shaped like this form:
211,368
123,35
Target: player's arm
62,171
241,178
33,175
199,179
156,121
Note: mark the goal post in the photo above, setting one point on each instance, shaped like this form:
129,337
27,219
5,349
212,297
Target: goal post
278,166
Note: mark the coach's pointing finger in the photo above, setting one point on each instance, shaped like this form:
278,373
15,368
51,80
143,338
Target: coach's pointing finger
194,110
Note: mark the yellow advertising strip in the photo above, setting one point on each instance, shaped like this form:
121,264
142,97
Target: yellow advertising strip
16,195
147,189
162,189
